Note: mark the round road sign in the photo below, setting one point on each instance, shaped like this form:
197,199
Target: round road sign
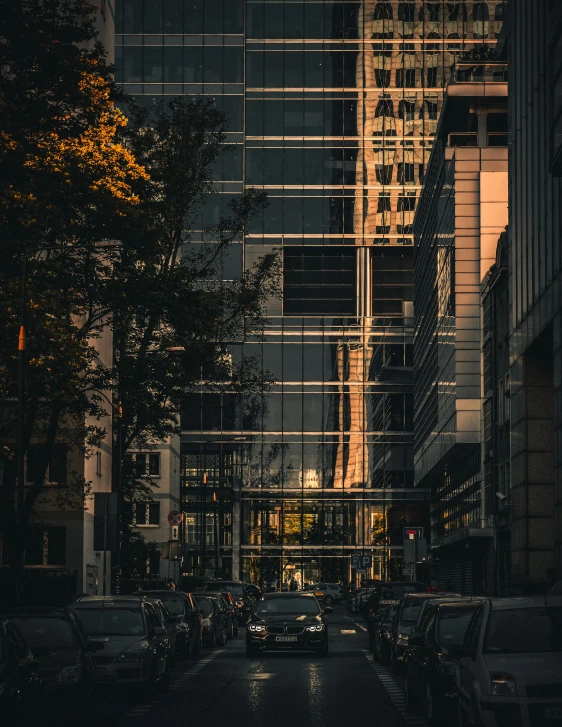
174,517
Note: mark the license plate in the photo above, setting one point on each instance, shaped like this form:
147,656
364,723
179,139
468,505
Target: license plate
101,671
553,713
285,638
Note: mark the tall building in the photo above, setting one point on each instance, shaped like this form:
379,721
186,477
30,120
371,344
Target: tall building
462,212
332,108
535,507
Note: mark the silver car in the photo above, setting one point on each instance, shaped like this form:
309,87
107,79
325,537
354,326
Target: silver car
510,669
136,645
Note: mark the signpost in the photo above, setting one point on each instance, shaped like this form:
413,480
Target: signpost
174,517
415,549
360,562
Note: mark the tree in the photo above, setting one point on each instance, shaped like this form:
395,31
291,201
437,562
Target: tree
73,171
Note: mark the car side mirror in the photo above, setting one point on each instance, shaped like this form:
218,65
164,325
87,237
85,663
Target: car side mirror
93,646
462,650
416,639
328,609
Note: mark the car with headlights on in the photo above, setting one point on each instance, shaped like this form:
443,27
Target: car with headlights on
510,664
187,627
19,671
214,620
63,652
291,621
430,664
135,642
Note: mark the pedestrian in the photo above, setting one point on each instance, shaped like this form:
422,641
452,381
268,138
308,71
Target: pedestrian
293,586
171,584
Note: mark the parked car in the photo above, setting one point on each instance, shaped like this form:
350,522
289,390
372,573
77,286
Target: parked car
19,671
135,642
328,592
383,631
187,624
386,594
288,622
253,591
170,625
238,590
228,609
409,612
214,621
429,680
63,652
510,664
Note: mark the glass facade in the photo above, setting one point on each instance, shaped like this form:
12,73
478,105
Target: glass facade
332,110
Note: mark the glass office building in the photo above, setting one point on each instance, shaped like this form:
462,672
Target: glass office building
332,109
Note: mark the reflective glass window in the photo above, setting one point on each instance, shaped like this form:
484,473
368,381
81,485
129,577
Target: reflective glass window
193,64
319,281
193,16
132,64
153,16
173,64
153,64
214,16
128,17
234,16
173,16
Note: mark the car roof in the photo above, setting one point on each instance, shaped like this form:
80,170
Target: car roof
35,612
115,601
504,604
433,596
289,594
157,591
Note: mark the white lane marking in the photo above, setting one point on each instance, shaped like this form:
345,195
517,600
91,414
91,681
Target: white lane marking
360,626
348,631
394,691
178,682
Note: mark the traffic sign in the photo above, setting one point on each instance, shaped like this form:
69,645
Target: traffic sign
175,532
361,562
174,517
412,533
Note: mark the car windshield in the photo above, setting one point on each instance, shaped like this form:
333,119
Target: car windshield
172,600
302,605
55,633
524,631
111,621
453,623
410,611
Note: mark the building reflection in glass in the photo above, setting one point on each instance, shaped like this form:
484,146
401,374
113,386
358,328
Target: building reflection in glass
332,110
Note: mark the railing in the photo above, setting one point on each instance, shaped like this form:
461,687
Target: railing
475,72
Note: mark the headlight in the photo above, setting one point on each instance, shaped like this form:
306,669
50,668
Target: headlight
206,621
402,639
133,654
503,685
256,627
316,627
69,675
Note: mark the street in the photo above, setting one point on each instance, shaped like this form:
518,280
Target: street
222,686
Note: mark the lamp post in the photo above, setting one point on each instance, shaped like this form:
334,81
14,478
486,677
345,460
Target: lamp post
20,439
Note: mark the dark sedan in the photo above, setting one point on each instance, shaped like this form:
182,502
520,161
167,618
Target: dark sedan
288,622
430,664
214,621
238,591
228,608
62,650
188,632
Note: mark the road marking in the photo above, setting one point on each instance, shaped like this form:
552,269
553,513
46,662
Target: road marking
178,682
348,631
394,691
360,626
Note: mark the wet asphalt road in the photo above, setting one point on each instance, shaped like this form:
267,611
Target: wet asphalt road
223,687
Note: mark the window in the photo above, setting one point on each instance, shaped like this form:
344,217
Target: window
433,12
382,77
407,110
481,12
406,173
143,464
406,204
384,202
56,470
383,11
45,547
406,12
319,281
406,77
142,514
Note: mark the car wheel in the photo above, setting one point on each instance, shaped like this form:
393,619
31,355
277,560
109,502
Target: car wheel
188,648
230,633
409,702
223,637
329,600
394,663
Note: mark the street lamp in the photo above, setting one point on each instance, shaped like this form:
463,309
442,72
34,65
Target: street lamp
20,454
